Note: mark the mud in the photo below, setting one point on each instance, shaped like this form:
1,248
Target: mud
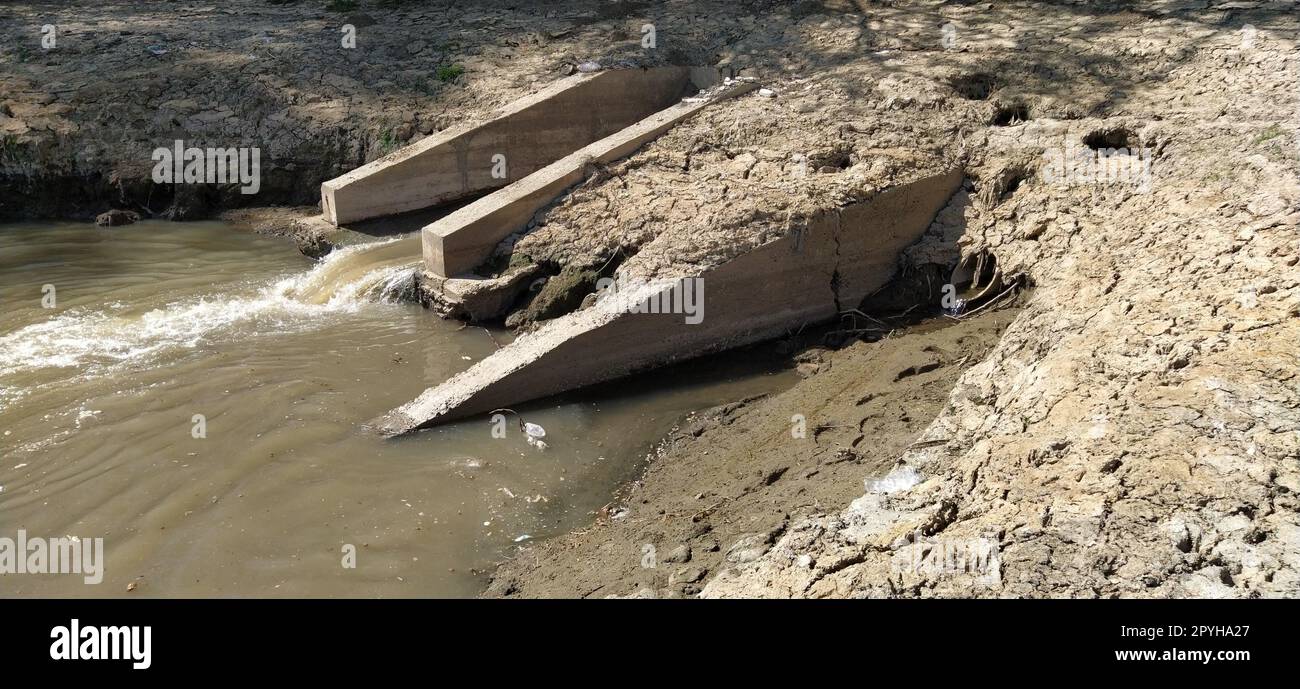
727,482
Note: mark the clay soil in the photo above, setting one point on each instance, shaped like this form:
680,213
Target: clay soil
729,481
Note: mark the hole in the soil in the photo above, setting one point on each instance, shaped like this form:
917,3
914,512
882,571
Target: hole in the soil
973,86
1012,185
563,289
835,161
1010,113
1116,138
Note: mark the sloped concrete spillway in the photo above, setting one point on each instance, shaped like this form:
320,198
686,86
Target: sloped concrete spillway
529,134
837,260
458,243
832,263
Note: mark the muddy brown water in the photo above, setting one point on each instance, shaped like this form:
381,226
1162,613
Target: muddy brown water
158,328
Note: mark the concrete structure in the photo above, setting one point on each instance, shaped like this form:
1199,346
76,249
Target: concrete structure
475,299
809,276
459,242
531,133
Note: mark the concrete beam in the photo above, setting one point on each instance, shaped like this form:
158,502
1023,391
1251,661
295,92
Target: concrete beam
838,259
459,242
531,133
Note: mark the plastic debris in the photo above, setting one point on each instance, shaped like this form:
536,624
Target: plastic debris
900,479
589,66
533,433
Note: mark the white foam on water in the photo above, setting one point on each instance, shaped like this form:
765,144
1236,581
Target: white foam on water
345,281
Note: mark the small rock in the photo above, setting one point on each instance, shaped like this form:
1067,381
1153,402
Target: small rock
313,245
681,553
116,217
689,575
748,549
767,93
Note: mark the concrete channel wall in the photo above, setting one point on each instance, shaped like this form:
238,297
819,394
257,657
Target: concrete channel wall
531,133
839,258
459,242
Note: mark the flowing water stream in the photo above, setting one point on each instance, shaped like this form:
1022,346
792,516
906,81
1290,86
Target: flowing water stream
160,330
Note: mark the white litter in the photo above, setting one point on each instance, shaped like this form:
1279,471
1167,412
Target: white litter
534,434
898,480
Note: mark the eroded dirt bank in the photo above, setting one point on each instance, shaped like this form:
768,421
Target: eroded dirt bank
79,118
1134,432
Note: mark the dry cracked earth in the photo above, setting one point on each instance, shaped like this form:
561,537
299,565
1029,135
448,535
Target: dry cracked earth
1131,429
1134,431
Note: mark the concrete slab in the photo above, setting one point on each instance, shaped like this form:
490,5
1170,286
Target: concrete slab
840,257
531,133
459,242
